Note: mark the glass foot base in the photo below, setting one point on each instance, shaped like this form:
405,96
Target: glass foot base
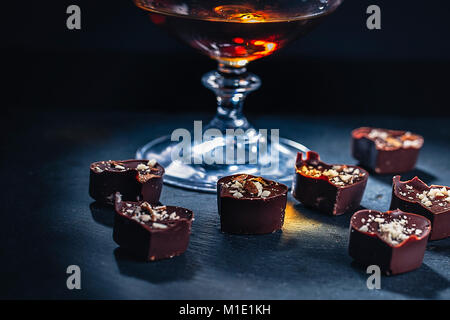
204,177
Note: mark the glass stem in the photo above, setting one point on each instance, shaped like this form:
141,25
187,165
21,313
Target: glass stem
231,85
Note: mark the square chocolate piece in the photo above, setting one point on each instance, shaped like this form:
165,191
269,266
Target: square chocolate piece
432,202
250,205
133,179
386,151
151,232
332,189
395,241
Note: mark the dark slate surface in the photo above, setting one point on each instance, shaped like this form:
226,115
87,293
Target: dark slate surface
50,222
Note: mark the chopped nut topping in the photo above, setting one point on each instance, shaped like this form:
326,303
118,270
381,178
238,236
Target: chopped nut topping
237,194
145,170
147,207
159,225
364,228
145,212
173,216
250,186
394,142
240,178
142,167
260,180
428,198
338,175
393,231
384,139
247,186
265,193
98,170
151,163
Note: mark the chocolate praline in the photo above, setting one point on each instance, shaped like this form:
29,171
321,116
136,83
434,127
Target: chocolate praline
134,179
249,204
332,189
386,151
395,241
151,232
432,202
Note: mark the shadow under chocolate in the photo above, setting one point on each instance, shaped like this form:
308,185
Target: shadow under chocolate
181,267
102,213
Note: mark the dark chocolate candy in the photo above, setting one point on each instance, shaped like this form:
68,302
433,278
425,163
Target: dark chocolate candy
386,151
134,179
151,232
432,202
393,240
250,205
333,189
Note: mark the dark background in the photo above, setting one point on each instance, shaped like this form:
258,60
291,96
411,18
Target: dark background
120,60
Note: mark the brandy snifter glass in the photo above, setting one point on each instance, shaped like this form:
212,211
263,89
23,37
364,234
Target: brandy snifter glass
233,33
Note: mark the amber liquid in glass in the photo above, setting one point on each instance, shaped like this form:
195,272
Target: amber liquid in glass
233,34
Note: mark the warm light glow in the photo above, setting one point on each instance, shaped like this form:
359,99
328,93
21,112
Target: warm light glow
239,13
269,47
240,50
247,17
242,62
294,220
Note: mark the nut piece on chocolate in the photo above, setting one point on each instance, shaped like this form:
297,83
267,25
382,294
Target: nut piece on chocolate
151,232
134,179
393,240
386,151
250,205
332,189
432,202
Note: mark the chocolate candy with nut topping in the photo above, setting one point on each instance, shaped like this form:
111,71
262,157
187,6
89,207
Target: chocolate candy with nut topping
432,202
151,232
250,205
386,151
134,179
332,189
393,240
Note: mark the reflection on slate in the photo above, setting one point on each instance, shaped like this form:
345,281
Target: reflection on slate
182,267
342,221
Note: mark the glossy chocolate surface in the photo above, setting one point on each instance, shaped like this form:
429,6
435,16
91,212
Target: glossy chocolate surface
386,151
393,240
151,232
250,205
318,186
432,202
134,179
